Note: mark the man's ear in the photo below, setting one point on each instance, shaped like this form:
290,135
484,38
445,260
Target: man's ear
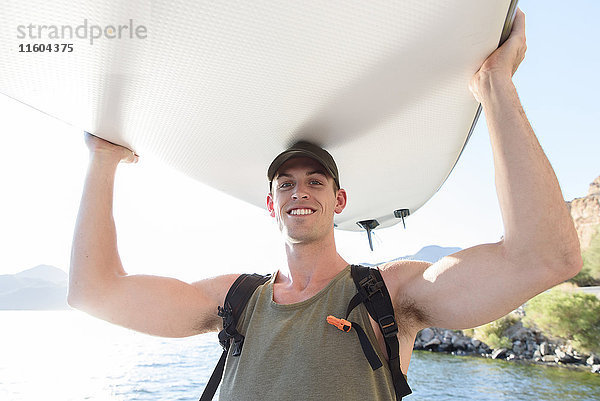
270,208
342,199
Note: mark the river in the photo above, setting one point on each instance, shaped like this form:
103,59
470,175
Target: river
67,355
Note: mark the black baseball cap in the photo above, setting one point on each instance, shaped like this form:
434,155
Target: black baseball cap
305,149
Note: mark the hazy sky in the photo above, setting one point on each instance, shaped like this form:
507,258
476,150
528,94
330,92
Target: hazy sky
168,224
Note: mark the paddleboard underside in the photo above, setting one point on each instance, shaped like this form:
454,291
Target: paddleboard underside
218,89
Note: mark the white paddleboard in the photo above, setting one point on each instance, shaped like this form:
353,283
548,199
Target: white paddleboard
218,89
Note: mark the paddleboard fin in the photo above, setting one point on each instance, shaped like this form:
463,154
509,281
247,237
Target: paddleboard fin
401,214
368,225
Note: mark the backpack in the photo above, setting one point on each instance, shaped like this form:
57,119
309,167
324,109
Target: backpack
371,291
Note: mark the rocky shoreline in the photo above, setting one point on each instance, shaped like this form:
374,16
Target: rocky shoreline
527,346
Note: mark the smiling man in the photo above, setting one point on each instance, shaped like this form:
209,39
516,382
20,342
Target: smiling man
290,351
302,180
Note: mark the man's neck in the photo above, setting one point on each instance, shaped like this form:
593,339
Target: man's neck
310,265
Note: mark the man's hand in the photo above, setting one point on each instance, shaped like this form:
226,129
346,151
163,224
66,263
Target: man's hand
101,146
505,60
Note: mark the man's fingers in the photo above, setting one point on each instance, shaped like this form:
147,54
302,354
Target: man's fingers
129,156
519,30
100,145
518,27
133,158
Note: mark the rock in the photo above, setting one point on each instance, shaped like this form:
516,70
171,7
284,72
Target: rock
544,348
594,187
595,368
435,342
445,347
499,353
520,311
483,350
537,354
586,214
593,360
460,342
426,335
549,358
563,357
569,349
476,343
518,350
539,337
518,347
516,332
531,346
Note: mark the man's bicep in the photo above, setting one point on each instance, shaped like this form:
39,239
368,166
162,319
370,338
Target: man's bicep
474,286
160,306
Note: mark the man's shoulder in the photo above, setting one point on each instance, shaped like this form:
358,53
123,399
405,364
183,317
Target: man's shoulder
399,276
401,272
216,288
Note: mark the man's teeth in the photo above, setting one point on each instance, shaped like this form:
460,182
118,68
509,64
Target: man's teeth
301,211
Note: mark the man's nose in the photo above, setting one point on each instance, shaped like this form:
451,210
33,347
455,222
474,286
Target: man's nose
300,193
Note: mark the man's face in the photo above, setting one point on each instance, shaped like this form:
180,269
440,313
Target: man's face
304,200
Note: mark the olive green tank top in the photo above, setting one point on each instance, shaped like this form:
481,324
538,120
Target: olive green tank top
291,353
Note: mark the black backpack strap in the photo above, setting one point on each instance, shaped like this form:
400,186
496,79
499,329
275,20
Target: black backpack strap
236,300
374,294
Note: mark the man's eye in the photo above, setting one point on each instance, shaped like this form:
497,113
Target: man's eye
315,182
285,184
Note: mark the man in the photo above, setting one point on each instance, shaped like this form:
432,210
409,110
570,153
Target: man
540,249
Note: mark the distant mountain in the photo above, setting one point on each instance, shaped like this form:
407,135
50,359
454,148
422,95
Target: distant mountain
45,272
431,253
42,287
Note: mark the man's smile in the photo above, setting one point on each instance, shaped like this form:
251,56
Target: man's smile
300,211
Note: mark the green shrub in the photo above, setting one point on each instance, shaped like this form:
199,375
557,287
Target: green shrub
493,333
573,316
585,278
495,342
590,272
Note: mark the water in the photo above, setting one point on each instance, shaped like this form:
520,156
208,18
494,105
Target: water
443,377
67,355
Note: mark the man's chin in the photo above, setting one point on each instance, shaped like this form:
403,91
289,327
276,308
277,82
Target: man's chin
300,236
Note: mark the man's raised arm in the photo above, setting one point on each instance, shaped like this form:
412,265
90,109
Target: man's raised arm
540,247
98,283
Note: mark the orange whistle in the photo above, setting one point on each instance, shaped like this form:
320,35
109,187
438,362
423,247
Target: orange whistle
341,324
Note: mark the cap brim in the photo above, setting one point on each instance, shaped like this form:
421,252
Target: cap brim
291,154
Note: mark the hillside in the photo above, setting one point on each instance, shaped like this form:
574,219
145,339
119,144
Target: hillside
42,287
585,212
